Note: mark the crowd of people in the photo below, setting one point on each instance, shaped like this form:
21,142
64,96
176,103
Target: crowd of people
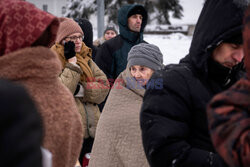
65,97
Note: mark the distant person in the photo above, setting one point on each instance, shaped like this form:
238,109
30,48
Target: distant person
228,115
81,75
112,55
21,130
87,29
25,34
173,119
109,32
118,136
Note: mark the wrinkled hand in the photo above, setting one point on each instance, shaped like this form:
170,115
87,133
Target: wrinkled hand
69,50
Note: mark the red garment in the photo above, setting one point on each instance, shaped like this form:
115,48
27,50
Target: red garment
229,114
21,24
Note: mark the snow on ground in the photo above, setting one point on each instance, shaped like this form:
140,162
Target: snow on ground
173,46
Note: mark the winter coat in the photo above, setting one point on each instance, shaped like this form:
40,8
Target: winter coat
173,119
118,136
95,90
24,31
112,56
21,128
228,115
61,120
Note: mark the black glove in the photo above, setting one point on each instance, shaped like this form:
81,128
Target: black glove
69,50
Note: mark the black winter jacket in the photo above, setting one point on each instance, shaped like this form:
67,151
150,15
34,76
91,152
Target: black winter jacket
173,119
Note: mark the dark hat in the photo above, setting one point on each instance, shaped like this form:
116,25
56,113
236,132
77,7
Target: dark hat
144,54
137,10
234,39
110,27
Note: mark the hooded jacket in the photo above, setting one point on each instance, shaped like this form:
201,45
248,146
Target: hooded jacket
173,119
228,115
37,68
112,55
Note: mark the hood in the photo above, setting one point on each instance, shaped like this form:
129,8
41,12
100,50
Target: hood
22,24
218,21
123,23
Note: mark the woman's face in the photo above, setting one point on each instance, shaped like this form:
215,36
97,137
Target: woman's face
141,73
109,34
77,39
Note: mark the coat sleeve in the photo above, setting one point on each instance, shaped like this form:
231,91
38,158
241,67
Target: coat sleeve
104,60
97,90
165,119
70,76
229,122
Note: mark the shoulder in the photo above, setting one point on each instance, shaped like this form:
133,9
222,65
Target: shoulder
173,72
114,43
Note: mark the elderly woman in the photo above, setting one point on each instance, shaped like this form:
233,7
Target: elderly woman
80,74
118,137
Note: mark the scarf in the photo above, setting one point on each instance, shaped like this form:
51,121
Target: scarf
82,60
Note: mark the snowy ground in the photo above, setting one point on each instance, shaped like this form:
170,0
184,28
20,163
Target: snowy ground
173,46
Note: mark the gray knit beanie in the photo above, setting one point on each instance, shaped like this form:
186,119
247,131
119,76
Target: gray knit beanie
144,54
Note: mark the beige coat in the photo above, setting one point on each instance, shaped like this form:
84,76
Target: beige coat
37,68
118,140
94,93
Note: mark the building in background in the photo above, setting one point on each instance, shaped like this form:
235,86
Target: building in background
55,7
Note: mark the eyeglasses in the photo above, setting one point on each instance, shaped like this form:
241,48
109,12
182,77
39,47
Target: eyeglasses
74,38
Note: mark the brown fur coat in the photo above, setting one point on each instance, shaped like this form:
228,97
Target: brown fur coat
38,69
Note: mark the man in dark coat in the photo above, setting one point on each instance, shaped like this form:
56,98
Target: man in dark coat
173,119
112,55
228,114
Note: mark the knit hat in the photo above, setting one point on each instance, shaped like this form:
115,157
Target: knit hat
67,26
137,10
148,55
110,27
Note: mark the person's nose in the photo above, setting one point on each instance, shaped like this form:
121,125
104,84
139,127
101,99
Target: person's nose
139,20
137,75
239,55
78,40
